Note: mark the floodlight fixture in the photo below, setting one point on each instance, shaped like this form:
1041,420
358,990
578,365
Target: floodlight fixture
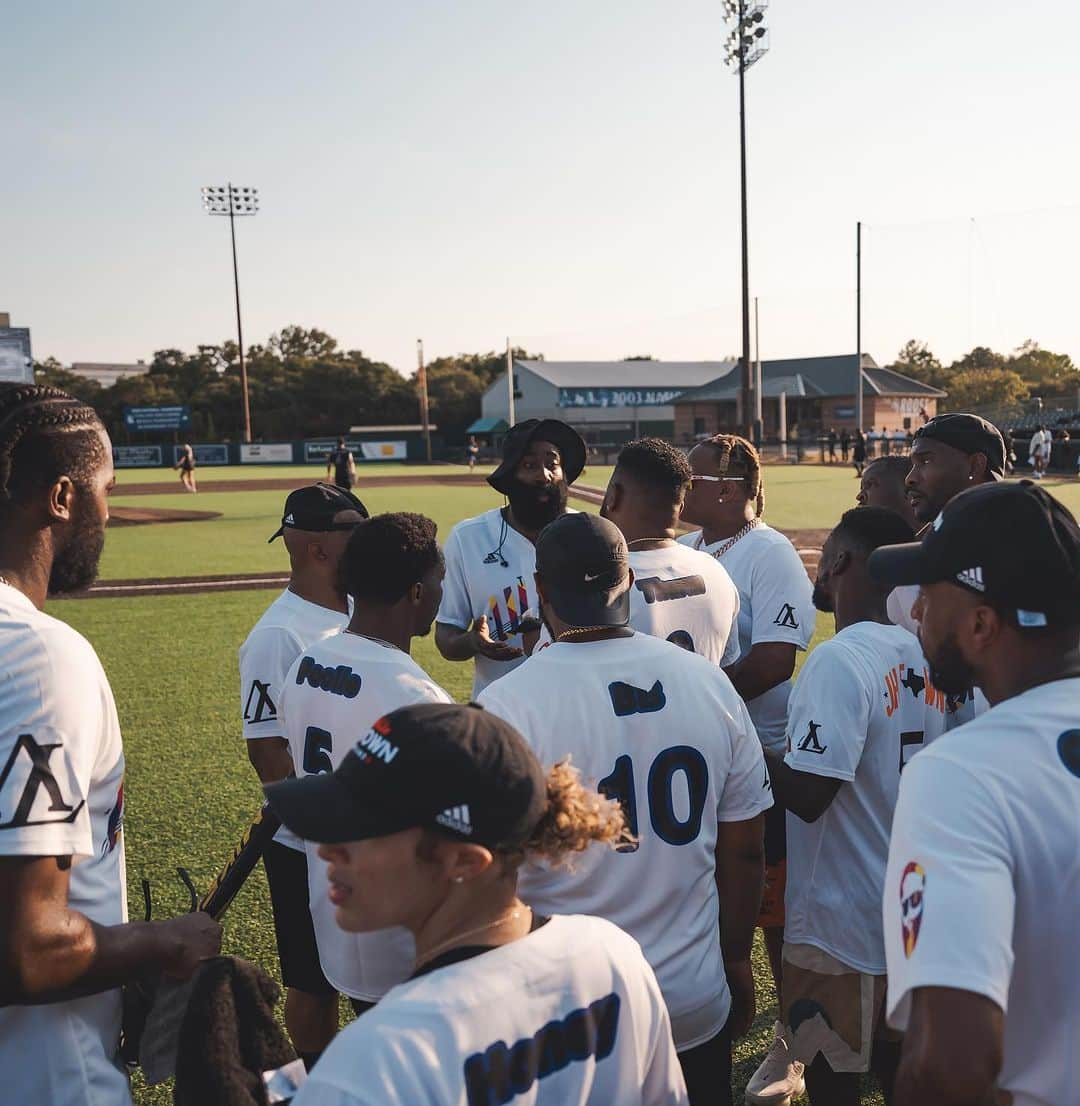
233,200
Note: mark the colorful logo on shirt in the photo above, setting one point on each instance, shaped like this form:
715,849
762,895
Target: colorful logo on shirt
901,676
912,889
115,826
504,616
786,617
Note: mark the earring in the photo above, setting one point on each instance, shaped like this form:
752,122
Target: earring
459,879
719,499
971,478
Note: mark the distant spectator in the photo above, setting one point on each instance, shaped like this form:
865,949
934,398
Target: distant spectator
471,452
1010,452
884,442
832,444
845,445
858,455
186,465
341,466
1039,451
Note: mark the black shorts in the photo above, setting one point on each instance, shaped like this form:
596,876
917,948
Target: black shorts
706,1071
286,872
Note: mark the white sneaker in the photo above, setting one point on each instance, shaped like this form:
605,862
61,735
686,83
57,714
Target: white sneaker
779,1079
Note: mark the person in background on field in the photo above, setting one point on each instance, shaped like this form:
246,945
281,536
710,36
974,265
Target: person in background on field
884,484
472,451
663,731
66,946
858,454
776,621
863,706
884,441
186,465
424,826
845,445
316,524
983,880
342,466
491,559
832,444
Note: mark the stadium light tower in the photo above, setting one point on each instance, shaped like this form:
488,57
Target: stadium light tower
232,200
746,44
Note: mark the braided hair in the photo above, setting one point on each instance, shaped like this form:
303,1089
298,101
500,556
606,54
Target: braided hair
44,434
736,456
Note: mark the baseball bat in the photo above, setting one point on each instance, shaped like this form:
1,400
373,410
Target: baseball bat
245,856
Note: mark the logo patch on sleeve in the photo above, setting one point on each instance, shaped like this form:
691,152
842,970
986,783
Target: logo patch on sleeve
38,785
912,890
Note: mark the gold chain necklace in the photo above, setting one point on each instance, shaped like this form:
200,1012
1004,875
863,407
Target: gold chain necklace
450,942
583,630
718,553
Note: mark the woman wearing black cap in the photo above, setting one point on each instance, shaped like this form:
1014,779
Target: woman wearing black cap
424,825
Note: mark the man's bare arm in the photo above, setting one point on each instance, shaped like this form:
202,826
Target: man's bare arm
271,758
768,664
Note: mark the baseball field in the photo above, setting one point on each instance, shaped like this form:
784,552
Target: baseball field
171,656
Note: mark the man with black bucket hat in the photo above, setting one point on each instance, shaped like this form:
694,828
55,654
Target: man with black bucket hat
424,825
983,883
490,559
315,524
666,733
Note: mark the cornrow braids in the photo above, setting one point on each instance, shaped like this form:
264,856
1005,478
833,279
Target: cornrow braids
736,456
44,434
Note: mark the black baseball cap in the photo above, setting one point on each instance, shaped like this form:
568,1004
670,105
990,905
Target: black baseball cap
584,564
313,508
969,434
566,439
456,770
1012,543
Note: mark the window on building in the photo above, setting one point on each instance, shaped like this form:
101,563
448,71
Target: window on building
907,423
699,426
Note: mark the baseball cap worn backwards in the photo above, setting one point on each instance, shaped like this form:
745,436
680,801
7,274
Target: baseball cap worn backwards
314,507
1012,543
585,567
969,434
456,770
566,439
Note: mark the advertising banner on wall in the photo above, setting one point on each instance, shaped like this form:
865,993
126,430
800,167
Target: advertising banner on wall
136,456
16,363
382,451
320,451
618,397
205,454
266,453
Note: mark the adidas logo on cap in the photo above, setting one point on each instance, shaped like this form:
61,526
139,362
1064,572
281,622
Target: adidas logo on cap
972,578
288,518
456,818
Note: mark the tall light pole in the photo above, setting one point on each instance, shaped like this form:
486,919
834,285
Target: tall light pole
232,200
421,387
746,44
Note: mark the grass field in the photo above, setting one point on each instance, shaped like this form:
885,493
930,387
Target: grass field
173,667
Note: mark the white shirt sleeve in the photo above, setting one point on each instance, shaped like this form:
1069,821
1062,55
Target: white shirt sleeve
781,594
732,652
265,659
49,741
747,791
949,898
829,714
456,607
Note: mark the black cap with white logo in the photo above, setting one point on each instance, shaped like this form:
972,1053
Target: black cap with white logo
313,508
584,565
1012,543
456,770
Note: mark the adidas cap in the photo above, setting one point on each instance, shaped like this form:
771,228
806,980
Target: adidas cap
313,508
459,771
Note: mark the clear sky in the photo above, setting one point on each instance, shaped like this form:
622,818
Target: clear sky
563,172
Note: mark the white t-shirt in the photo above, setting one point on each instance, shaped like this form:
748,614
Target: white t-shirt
57,712
775,604
287,627
665,732
477,583
862,707
567,1016
983,883
332,694
685,597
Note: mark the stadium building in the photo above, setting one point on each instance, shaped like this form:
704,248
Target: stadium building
610,402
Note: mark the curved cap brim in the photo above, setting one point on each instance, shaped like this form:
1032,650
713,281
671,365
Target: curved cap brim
900,565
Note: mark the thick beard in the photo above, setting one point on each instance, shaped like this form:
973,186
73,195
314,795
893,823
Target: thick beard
76,565
534,507
949,672
822,599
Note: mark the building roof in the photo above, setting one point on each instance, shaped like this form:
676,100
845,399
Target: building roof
488,426
626,374
108,372
813,376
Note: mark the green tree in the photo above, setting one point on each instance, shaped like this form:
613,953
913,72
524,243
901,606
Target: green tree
916,361
971,388
51,373
456,386
1046,373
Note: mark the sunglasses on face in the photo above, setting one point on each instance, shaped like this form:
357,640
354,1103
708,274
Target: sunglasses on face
712,479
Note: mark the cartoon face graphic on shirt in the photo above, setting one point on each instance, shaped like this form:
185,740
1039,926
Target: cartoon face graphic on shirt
912,888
